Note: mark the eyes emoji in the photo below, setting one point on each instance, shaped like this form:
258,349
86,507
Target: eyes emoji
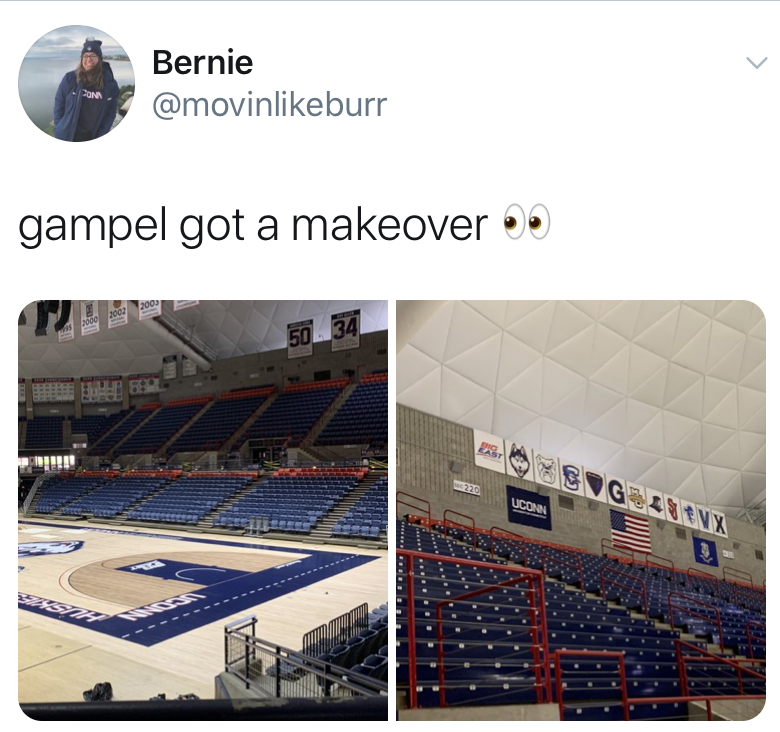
538,221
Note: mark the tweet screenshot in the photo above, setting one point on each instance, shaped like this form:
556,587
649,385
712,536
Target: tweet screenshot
560,214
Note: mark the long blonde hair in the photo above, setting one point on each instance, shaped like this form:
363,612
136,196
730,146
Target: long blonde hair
92,78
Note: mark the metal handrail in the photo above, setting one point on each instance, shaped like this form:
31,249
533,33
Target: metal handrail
473,526
702,573
512,538
750,637
693,612
577,566
615,548
625,587
706,656
399,502
39,481
735,571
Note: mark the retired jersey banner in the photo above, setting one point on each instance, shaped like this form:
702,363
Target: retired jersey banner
90,317
518,462
300,339
117,313
188,367
705,552
184,304
148,309
572,478
68,332
488,451
528,508
345,331
170,364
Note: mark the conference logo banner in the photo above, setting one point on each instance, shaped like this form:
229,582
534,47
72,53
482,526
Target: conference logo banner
689,516
705,552
546,471
616,492
489,451
518,462
719,524
528,508
572,478
595,485
90,318
117,313
637,498
705,519
673,509
655,503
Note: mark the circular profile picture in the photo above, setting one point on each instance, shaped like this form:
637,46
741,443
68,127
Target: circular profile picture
76,83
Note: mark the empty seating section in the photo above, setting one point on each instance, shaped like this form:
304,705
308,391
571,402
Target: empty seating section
368,517
96,425
57,492
293,499
295,411
111,439
219,423
362,419
188,500
366,651
162,425
44,432
112,498
488,653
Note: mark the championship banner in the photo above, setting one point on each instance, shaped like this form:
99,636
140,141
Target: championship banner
68,332
169,367
673,509
101,389
595,485
546,471
655,503
705,519
705,552
616,492
22,398
148,309
184,304
117,313
689,516
528,508
345,331
462,487
188,367
489,451
52,391
637,498
518,464
719,524
143,384
300,339
90,317
572,478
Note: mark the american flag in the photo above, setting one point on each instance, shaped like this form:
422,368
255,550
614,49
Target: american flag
631,532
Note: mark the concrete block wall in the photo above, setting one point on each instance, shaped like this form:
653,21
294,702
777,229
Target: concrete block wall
429,448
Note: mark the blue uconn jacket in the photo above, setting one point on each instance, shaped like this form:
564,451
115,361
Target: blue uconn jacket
67,105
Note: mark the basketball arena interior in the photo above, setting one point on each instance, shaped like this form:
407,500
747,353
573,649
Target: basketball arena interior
203,510
580,510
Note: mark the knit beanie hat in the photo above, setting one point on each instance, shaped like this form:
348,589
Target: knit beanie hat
92,46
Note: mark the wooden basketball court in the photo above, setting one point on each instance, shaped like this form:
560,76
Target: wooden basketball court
144,609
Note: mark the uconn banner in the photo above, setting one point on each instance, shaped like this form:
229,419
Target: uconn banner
528,508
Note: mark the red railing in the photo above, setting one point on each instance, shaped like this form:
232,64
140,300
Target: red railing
687,610
496,532
457,524
400,502
737,572
702,573
576,565
643,592
626,702
538,627
751,637
707,657
608,546
559,654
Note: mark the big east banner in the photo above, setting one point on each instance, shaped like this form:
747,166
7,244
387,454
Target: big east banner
528,508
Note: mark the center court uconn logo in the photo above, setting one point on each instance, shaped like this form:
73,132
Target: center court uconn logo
35,549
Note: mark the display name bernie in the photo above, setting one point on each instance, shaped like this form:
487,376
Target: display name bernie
201,64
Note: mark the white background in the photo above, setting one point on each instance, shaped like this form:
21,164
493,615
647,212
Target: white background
646,133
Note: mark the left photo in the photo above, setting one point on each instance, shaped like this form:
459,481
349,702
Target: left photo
202,499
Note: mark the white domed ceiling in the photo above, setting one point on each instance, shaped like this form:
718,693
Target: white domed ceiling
668,394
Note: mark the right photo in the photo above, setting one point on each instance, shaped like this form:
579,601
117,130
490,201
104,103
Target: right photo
580,510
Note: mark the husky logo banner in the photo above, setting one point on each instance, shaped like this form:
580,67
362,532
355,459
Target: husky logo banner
705,552
517,462
36,549
528,508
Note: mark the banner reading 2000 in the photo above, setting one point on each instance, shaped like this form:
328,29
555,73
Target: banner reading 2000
528,508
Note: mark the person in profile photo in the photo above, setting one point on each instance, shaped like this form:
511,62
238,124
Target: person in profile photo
85,105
